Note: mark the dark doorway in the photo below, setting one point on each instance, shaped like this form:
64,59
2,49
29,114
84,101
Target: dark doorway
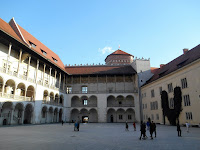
4,121
111,118
85,119
28,114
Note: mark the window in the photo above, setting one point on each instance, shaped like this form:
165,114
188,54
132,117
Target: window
32,44
146,106
160,89
69,90
188,115
157,116
152,116
184,83
55,60
170,88
129,117
43,52
186,100
154,105
85,102
120,117
171,103
152,93
84,89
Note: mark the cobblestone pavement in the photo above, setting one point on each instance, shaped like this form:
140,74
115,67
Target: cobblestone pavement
98,136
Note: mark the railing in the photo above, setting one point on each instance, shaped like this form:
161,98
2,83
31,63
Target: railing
16,97
81,105
121,105
6,95
51,103
106,91
22,77
30,80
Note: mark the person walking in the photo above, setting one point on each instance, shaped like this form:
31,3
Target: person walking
187,126
148,125
62,122
143,130
126,126
178,129
151,129
134,126
154,128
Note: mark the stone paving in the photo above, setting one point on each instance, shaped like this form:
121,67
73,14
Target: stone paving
98,136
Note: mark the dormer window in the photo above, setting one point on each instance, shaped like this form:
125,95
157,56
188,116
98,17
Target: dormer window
32,44
55,60
43,52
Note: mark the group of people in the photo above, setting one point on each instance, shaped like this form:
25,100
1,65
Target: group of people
134,126
151,126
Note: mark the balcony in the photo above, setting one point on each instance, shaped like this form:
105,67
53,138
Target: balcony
16,97
52,103
135,90
121,105
81,105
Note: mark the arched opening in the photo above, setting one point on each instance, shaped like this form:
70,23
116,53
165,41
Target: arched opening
61,100
44,114
130,115
18,113
30,93
55,115
6,113
111,115
1,85
84,115
20,91
50,115
46,96
60,115
93,116
28,114
9,89
120,100
130,101
74,115
92,101
121,116
51,97
75,101
111,101
56,98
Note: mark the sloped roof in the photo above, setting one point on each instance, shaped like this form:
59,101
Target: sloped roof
40,46
4,26
118,52
176,64
100,70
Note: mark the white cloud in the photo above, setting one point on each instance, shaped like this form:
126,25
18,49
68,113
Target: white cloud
106,49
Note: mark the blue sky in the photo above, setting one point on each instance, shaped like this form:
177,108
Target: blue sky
86,31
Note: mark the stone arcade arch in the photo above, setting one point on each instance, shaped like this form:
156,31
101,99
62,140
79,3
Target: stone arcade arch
20,91
60,114
111,115
7,113
130,115
111,101
50,115
93,115
61,101
74,115
121,116
1,85
30,93
92,101
75,101
130,101
9,89
57,98
28,114
46,96
44,114
18,113
84,115
120,100
51,97
55,118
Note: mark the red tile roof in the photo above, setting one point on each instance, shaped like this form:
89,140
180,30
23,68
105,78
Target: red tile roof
12,30
4,26
119,52
104,69
179,62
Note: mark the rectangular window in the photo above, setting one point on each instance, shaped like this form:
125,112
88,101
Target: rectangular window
69,90
171,103
188,115
152,117
157,116
120,117
85,102
151,105
129,117
170,88
152,93
84,89
160,90
184,83
186,100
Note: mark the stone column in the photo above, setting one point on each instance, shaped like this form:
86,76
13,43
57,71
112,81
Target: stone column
43,74
50,76
19,62
8,56
59,80
22,117
3,89
29,62
11,116
55,78
37,71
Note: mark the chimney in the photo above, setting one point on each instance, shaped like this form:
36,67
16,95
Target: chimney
161,65
185,50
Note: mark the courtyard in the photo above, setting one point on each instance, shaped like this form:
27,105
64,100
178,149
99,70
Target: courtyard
97,136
